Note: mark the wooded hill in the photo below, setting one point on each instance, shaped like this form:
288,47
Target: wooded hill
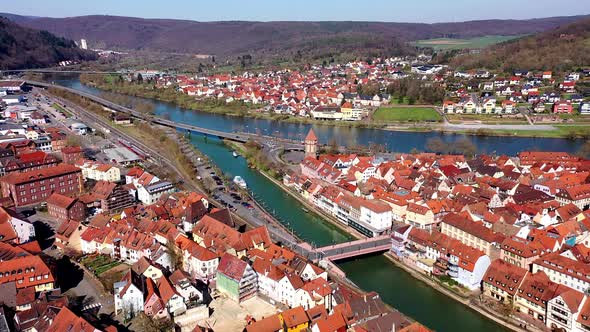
561,49
22,47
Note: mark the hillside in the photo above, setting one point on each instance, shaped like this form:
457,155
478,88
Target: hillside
22,47
272,39
560,49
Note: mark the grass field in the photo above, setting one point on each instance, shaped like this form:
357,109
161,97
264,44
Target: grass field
452,44
99,264
406,114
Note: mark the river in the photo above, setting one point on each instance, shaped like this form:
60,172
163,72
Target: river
372,273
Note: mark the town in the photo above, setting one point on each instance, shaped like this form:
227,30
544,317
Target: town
87,234
309,167
362,89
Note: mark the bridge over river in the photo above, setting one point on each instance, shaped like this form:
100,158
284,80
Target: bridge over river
286,144
328,253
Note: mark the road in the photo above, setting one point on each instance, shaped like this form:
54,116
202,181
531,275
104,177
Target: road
260,218
234,136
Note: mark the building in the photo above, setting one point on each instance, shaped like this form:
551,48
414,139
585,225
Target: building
35,186
502,280
564,270
563,107
15,228
68,235
295,320
71,154
150,193
579,195
27,272
99,172
473,234
311,144
128,294
236,278
108,196
63,208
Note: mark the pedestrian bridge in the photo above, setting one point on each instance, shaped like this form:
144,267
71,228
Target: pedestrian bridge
242,137
355,248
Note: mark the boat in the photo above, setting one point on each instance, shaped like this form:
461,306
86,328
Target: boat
235,154
305,210
240,182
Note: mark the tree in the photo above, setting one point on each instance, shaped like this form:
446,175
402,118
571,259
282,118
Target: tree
584,150
175,253
437,145
139,79
465,146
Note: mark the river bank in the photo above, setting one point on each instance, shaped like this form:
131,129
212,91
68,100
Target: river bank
433,283
373,273
244,110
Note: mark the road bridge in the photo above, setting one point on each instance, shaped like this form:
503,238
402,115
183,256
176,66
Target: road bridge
286,144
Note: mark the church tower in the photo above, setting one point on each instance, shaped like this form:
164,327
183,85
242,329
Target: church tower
311,144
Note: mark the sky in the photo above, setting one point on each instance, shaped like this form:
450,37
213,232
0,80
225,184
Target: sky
427,11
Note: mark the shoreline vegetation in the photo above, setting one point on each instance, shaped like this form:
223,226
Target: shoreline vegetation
116,84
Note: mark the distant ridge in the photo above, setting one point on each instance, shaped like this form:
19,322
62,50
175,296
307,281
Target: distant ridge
272,39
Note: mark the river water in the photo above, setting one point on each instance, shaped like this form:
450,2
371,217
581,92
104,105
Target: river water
395,286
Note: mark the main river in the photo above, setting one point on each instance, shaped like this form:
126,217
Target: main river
395,286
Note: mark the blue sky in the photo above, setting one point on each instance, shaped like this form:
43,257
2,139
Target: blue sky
427,11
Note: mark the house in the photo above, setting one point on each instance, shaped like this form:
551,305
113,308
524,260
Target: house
27,272
35,186
579,195
63,208
534,294
502,280
520,252
184,287
585,108
14,227
420,216
128,294
68,235
150,193
108,196
99,172
144,267
472,233
563,107
564,270
563,310
272,323
173,302
71,154
295,320
235,278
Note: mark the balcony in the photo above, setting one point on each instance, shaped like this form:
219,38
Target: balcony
453,268
452,274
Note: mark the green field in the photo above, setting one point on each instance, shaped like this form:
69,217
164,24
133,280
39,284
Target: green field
406,114
453,44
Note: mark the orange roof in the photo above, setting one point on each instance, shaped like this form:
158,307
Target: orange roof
66,320
22,269
311,136
39,174
268,324
294,317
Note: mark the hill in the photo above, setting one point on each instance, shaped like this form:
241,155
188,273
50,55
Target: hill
22,47
560,49
273,39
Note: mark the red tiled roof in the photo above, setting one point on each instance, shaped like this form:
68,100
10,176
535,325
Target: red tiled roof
39,174
294,317
232,267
